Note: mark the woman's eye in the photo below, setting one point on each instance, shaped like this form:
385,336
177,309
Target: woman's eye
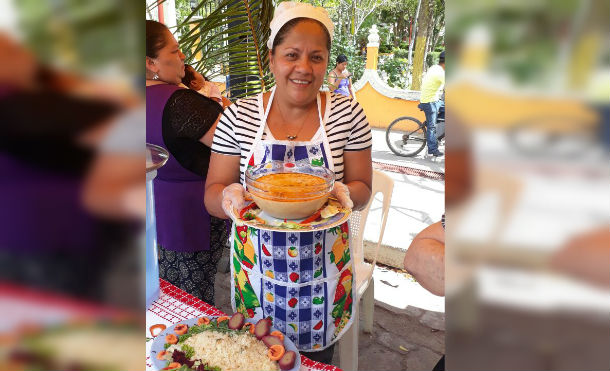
317,58
291,55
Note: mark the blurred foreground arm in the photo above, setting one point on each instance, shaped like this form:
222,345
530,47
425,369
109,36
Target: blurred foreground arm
425,259
586,257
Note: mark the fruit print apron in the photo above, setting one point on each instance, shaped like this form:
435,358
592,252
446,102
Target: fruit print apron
302,280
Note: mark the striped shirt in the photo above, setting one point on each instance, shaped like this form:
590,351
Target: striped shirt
346,127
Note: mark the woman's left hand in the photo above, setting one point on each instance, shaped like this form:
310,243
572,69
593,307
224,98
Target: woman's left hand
341,192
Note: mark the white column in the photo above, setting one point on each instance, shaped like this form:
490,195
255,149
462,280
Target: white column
152,15
170,16
8,19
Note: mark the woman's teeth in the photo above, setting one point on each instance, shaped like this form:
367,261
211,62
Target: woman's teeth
300,82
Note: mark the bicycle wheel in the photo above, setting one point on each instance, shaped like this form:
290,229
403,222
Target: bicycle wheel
406,136
552,136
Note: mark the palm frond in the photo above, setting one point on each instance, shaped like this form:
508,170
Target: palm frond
233,36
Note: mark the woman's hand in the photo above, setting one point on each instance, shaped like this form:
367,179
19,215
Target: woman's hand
341,193
222,174
233,196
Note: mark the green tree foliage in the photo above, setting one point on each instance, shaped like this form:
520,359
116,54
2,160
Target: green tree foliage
204,31
83,36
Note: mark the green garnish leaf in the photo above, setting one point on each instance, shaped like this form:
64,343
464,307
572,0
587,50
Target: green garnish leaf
188,350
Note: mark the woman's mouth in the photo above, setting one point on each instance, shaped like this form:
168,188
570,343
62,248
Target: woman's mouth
300,82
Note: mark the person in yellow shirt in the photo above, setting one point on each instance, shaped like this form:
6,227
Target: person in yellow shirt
432,87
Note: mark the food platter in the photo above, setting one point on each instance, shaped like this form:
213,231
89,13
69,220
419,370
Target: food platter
159,342
267,222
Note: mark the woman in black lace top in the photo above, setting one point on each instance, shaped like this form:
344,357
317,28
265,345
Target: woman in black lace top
190,241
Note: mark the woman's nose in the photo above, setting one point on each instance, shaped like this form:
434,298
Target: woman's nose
304,64
182,56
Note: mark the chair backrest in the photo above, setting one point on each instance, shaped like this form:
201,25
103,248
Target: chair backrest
381,184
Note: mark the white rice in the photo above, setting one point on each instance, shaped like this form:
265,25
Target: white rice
231,352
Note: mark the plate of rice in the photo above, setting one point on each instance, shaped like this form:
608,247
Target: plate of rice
223,344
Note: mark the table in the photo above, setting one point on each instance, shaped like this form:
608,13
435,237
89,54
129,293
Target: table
22,305
175,305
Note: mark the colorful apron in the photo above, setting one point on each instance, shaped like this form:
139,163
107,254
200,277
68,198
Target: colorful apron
302,280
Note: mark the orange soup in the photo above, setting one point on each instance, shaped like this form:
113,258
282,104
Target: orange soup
290,184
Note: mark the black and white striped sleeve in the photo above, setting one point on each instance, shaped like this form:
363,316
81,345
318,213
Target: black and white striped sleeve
225,141
360,135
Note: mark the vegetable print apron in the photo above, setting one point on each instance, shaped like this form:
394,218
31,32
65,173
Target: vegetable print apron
302,280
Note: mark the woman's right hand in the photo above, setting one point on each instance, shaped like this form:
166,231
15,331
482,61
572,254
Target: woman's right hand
233,196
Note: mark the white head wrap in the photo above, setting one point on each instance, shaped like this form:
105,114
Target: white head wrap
289,10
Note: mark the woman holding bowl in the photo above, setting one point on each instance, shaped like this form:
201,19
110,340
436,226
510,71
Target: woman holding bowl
302,280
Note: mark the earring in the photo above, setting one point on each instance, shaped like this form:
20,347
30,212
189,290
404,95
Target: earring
155,76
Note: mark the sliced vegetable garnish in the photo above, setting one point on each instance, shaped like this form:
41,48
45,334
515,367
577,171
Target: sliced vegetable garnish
161,355
250,327
203,321
288,360
236,322
243,211
171,339
276,352
181,329
221,319
159,327
277,334
312,218
262,328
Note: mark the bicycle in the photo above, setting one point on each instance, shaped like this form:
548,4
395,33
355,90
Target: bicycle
406,136
557,136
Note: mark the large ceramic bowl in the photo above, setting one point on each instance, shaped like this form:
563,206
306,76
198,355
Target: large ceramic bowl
289,190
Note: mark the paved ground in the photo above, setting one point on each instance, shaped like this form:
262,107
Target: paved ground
409,326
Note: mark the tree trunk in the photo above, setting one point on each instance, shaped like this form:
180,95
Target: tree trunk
352,26
410,29
423,23
436,33
412,41
429,45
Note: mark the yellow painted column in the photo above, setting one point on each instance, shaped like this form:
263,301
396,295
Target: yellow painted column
372,49
198,55
371,57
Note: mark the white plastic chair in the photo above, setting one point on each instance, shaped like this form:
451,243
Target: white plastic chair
348,345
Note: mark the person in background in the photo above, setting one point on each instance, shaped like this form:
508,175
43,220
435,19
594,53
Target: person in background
113,187
196,81
339,79
432,87
52,121
190,241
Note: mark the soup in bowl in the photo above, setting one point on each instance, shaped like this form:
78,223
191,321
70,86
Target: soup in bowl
289,190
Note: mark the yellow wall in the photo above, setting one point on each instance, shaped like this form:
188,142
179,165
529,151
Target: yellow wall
381,110
480,107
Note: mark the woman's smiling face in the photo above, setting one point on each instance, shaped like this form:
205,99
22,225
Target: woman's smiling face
299,62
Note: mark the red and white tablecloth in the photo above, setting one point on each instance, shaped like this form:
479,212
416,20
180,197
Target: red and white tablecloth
175,305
